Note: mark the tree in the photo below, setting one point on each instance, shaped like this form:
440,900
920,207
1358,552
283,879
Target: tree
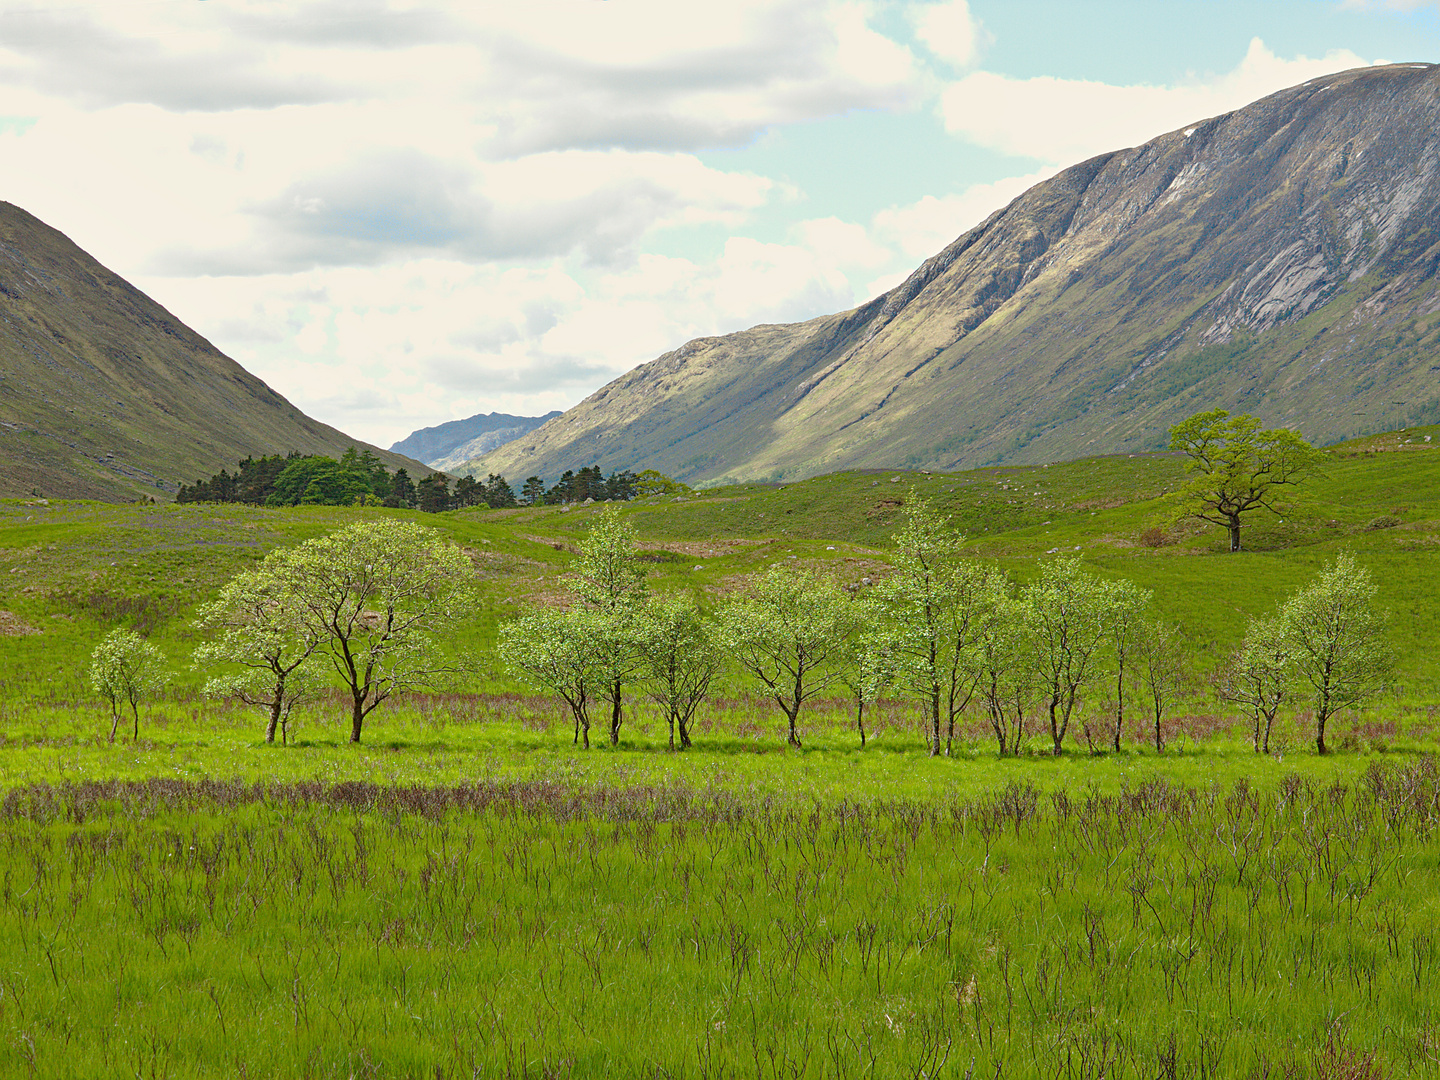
790,634
609,580
552,650
1235,468
374,593
497,493
917,601
126,668
1337,640
433,493
532,493
651,482
1065,610
932,603
1124,627
1006,671
468,492
255,615
402,490
1257,676
867,665
680,659
1163,675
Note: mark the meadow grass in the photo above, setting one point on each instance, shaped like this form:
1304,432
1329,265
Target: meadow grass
545,927
466,893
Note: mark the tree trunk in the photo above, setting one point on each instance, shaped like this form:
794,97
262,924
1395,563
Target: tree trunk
135,711
114,722
615,713
1119,701
1056,735
934,720
1235,532
860,720
357,718
672,729
684,733
789,715
274,715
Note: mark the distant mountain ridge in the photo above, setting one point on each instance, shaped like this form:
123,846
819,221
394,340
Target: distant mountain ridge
1279,260
106,395
450,445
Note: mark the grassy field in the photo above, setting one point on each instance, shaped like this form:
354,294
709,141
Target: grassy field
468,894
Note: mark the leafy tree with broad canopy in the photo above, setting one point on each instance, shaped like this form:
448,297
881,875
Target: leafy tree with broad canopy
790,634
1235,467
1337,640
126,668
259,632
374,594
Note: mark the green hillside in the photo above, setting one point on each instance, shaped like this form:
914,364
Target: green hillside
71,569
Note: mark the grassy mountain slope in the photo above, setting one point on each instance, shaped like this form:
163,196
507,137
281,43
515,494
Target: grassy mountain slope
1279,259
104,394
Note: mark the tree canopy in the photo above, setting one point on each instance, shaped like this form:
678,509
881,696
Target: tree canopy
1235,467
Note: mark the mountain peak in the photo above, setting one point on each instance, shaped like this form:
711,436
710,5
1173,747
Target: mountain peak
106,395
1278,259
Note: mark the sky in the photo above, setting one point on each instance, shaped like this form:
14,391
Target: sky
399,213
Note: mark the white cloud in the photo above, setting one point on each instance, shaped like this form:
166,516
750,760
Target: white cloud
924,227
841,244
1063,121
948,31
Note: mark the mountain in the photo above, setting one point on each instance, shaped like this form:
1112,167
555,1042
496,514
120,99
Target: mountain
448,446
106,395
1278,260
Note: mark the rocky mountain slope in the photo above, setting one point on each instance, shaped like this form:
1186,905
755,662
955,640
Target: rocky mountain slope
106,395
448,446
1279,260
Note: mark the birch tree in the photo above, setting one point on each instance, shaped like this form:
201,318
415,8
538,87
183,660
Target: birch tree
126,669
259,633
1337,640
375,594
1065,610
790,635
1257,676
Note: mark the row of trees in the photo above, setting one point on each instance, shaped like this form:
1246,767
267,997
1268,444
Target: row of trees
950,633
364,606
357,478
360,478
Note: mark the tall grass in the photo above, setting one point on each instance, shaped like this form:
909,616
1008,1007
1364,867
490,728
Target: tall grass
553,928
